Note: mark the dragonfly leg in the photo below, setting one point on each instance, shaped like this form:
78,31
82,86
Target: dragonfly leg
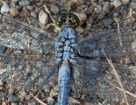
49,75
75,87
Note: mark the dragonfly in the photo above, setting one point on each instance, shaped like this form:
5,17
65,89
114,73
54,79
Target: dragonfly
29,59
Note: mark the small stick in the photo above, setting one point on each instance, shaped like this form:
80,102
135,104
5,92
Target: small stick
38,100
118,28
131,94
47,10
117,77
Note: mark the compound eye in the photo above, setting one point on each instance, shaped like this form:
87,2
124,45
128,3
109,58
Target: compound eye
75,20
63,19
60,19
69,17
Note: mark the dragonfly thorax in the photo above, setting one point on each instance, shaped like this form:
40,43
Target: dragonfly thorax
65,45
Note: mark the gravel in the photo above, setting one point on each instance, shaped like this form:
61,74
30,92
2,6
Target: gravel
22,77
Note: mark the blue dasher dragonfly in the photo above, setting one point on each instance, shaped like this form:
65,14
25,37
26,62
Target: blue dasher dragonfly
29,57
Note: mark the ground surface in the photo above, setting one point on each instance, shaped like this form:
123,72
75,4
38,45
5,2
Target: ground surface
24,69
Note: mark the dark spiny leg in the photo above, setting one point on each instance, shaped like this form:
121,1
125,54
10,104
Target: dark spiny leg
49,75
75,87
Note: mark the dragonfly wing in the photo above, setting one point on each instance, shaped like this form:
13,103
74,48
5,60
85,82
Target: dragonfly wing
92,78
114,43
20,35
85,73
27,72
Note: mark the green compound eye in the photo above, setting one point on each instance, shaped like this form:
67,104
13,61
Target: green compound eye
69,17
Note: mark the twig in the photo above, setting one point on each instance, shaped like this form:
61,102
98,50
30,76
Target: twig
117,77
47,10
38,100
118,28
130,13
131,94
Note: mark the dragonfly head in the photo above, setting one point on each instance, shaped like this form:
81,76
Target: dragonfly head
67,18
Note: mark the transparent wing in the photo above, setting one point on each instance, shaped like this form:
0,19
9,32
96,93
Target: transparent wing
30,66
114,43
27,70
20,35
95,79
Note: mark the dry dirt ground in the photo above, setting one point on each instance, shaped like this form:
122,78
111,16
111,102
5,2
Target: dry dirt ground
23,77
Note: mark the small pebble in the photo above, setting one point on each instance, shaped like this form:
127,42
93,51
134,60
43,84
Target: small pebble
43,18
116,3
14,12
4,8
23,93
2,94
33,14
13,4
12,97
53,93
54,9
46,88
125,2
50,101
24,3
107,22
106,7
98,9
11,91
30,8
101,15
27,97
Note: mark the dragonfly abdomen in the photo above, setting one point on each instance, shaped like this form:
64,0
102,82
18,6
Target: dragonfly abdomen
63,84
